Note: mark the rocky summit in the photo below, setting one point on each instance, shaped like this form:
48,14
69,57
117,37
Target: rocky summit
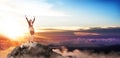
33,50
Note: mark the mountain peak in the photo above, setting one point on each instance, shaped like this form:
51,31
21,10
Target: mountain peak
33,50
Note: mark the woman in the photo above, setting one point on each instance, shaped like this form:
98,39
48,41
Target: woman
31,29
30,23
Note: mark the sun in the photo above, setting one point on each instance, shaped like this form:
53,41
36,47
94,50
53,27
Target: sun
11,29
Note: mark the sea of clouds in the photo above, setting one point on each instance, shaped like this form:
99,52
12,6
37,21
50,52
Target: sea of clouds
85,54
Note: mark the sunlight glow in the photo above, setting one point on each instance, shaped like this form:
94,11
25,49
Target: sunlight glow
11,29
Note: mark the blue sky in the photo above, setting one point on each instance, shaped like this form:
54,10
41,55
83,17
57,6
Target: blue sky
93,13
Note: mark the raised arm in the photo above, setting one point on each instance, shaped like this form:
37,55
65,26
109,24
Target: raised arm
26,18
33,20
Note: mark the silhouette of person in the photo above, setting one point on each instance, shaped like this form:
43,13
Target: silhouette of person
30,23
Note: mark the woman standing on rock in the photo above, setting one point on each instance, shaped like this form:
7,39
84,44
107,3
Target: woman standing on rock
31,29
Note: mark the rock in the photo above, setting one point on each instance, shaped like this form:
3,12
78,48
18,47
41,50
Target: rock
33,50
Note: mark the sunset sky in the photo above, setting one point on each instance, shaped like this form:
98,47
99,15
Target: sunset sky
75,23
60,14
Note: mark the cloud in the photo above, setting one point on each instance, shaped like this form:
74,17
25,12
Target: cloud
92,37
84,33
29,7
111,32
97,31
12,14
83,37
4,43
76,53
